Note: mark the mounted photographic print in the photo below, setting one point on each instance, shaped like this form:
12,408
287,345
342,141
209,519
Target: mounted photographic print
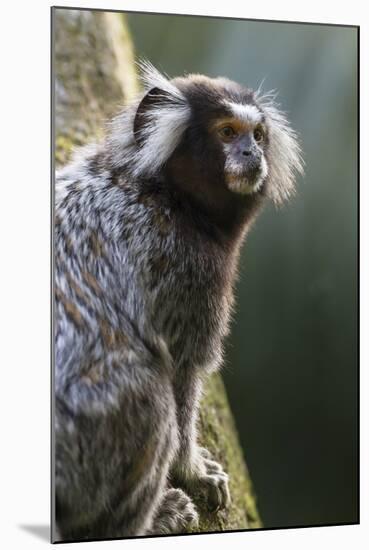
205,265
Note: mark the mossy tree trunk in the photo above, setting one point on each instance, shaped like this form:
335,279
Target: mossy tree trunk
94,74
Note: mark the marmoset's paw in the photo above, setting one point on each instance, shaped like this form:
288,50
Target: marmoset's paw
176,514
213,481
203,475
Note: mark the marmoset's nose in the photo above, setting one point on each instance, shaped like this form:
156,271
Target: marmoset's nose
246,148
248,155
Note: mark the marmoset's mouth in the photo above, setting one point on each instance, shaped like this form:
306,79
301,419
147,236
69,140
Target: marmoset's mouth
245,183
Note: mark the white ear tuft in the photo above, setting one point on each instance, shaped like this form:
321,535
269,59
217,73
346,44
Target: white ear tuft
284,159
164,120
152,78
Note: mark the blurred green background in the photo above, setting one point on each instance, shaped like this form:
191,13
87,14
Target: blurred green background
291,363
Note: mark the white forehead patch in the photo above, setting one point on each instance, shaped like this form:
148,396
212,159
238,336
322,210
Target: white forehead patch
247,113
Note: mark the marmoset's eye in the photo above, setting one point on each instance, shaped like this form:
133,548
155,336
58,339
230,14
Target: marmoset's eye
258,134
227,133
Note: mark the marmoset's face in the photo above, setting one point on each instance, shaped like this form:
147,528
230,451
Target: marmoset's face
243,138
227,134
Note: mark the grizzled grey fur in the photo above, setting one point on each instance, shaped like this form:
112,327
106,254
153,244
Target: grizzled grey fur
148,229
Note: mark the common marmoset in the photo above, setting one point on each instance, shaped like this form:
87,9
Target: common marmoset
148,229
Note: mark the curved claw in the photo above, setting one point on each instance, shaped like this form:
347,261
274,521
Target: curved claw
216,487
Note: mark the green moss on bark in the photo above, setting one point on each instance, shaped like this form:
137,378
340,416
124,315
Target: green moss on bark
94,75
218,434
